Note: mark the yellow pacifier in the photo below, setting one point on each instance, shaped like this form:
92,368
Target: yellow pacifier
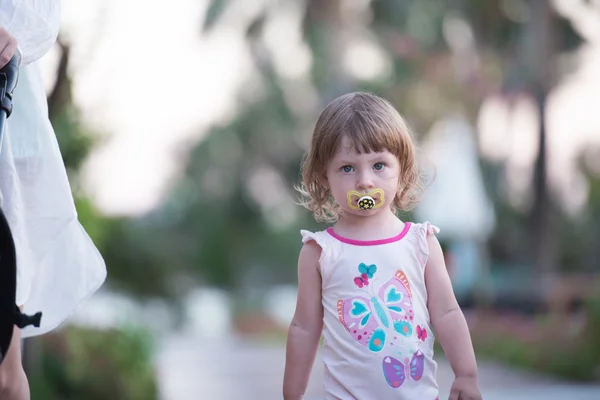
365,201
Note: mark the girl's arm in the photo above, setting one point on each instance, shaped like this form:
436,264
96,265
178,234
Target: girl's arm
306,327
33,23
449,323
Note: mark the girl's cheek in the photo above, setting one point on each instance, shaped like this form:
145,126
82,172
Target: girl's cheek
388,175
393,174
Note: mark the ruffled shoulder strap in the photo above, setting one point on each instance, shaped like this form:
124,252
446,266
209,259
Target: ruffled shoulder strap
323,239
422,231
308,236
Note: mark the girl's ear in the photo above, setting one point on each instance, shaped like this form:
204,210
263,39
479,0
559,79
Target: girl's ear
324,181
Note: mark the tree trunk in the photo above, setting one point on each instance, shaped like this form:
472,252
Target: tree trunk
539,51
332,24
60,95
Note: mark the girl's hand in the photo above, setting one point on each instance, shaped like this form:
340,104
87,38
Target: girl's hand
8,46
465,388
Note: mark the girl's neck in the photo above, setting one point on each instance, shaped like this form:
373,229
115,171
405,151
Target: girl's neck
382,225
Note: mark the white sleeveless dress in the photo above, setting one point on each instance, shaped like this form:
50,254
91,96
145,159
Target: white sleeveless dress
378,342
58,266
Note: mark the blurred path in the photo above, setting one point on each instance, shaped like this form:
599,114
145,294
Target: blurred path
192,368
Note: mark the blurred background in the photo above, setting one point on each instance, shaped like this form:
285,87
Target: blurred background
183,126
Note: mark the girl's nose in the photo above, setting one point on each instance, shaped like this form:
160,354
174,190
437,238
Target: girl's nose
365,181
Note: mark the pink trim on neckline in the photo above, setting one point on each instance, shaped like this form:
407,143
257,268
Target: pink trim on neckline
371,242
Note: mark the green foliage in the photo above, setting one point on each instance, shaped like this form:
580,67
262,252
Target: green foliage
125,246
553,348
75,141
96,225
214,11
137,260
214,229
210,230
81,363
573,361
592,332
221,231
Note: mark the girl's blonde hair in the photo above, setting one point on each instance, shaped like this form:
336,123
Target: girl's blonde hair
371,124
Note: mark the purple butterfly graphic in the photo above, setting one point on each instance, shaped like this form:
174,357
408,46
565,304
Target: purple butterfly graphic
396,372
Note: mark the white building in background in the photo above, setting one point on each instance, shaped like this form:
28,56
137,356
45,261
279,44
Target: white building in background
456,200
280,304
208,313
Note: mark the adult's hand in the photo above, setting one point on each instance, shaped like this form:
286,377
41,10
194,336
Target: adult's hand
8,47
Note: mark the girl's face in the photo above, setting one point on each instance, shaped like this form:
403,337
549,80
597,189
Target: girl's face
350,171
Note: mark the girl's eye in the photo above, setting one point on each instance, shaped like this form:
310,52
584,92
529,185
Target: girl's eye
347,168
378,166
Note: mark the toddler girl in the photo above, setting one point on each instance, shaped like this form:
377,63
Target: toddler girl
372,285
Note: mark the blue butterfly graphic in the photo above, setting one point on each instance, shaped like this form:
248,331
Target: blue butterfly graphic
367,269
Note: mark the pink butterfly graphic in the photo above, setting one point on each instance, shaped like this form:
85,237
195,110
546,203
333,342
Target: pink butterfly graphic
369,319
421,333
362,280
396,372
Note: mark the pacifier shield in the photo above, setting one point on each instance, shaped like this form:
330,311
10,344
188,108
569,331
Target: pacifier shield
365,201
